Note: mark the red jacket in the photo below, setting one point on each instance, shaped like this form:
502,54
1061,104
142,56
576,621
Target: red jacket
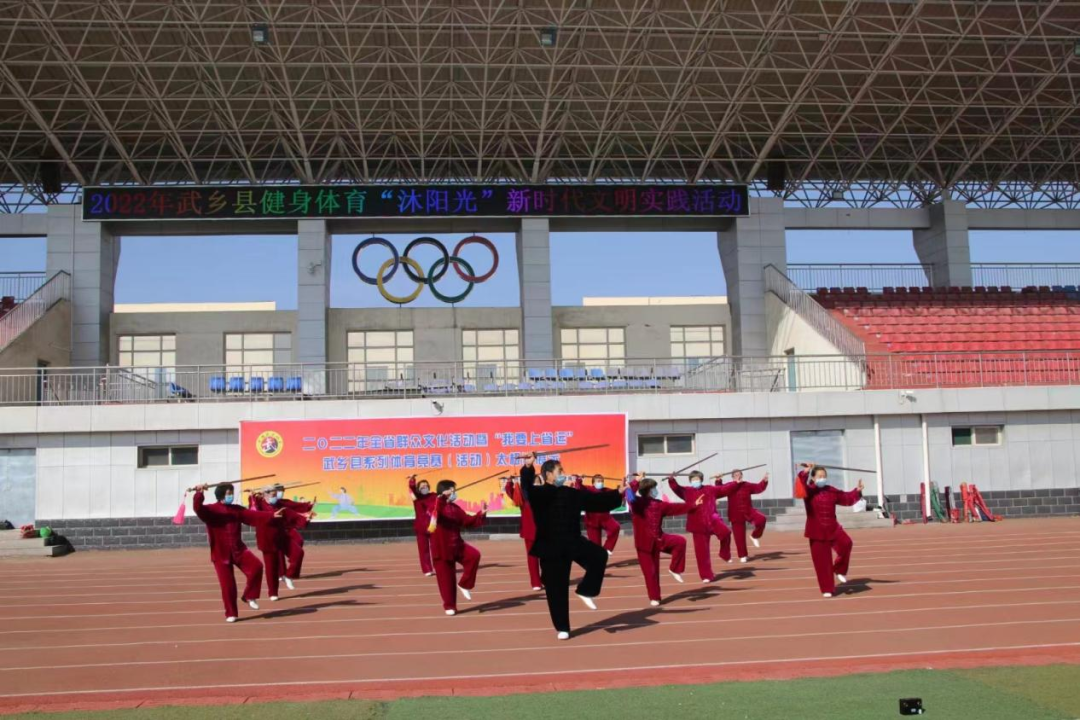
423,506
223,527
528,522
821,522
446,542
648,516
700,517
740,503
274,535
593,520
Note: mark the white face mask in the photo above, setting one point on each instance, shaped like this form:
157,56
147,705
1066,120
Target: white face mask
599,485
272,499
821,482
654,494
425,490
280,494
453,496
695,484
561,480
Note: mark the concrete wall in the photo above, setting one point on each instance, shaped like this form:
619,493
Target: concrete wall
789,332
48,340
200,337
647,326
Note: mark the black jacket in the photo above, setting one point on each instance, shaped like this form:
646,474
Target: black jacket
557,511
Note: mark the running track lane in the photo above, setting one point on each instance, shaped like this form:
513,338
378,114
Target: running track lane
124,629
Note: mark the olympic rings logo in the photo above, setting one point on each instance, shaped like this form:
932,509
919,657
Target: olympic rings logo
416,273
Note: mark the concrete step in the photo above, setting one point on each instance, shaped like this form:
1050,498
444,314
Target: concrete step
11,545
851,521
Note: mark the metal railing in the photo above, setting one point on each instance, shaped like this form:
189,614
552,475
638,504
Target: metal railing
809,310
33,308
210,384
873,276
1019,275
20,285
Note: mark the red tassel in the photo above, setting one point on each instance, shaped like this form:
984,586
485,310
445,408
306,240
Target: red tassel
178,519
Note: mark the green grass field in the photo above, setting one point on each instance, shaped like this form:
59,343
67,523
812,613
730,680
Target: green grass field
1003,693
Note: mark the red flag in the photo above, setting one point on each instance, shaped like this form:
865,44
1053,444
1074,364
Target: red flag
178,519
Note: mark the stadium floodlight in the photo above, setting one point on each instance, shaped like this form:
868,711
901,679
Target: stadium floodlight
838,194
548,36
260,34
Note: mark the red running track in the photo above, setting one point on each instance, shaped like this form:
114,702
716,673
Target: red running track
138,628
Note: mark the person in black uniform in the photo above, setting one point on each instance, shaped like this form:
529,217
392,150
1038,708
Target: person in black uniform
557,508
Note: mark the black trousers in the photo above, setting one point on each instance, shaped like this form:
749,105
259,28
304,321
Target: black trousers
555,572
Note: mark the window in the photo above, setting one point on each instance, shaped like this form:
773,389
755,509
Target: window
257,353
593,346
696,343
153,457
378,356
978,436
147,351
490,355
665,444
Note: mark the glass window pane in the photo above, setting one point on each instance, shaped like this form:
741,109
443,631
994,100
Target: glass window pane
234,357
468,337
615,335
147,342
154,457
126,342
650,445
490,337
616,351
260,341
259,357
355,339
961,436
592,335
568,335
511,337
405,337
168,359
678,350
717,349
233,342
146,359
570,352
355,355
468,353
717,332
185,456
168,342
491,353
125,359
512,352
680,444
405,354
697,334
676,333
381,355
986,436
380,339
592,352
698,349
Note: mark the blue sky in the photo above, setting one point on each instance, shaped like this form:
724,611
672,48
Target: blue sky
238,269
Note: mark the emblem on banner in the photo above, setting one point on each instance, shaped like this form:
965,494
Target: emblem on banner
416,273
270,444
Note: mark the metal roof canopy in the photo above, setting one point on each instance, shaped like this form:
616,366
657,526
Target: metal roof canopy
864,102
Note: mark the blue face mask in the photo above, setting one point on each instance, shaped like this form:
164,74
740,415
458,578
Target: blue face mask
228,500
453,496
695,484
272,499
821,482
654,494
425,490
561,480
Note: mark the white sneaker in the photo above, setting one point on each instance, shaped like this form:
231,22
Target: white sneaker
826,595
230,619
677,576
757,543
840,579
428,574
273,598
654,603
253,605
537,589
563,636
706,580
609,553
451,612
288,583
589,603
729,561
465,593
743,560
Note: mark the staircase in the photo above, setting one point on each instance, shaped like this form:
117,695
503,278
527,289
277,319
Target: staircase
793,519
12,545
19,318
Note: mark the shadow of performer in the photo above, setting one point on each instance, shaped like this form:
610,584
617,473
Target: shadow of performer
304,610
861,585
326,592
503,604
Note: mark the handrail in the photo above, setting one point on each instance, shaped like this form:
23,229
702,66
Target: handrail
20,285
809,310
1018,275
872,276
14,323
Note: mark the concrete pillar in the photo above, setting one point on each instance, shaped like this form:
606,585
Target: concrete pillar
746,247
534,276
944,245
90,254
313,245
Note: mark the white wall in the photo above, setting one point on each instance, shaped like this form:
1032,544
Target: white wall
789,332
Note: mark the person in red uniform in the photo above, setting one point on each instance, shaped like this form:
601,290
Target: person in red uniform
272,538
227,549
597,523
824,532
423,506
647,511
740,510
302,513
448,549
704,521
512,488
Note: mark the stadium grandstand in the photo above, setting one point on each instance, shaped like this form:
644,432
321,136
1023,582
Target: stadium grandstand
422,140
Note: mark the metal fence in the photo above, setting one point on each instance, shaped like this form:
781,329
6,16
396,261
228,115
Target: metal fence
210,384
22,316
20,285
809,310
1019,275
873,276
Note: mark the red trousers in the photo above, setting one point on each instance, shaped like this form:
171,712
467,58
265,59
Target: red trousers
534,566
274,562
423,545
738,527
611,526
701,547
295,552
446,575
674,545
253,571
821,551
